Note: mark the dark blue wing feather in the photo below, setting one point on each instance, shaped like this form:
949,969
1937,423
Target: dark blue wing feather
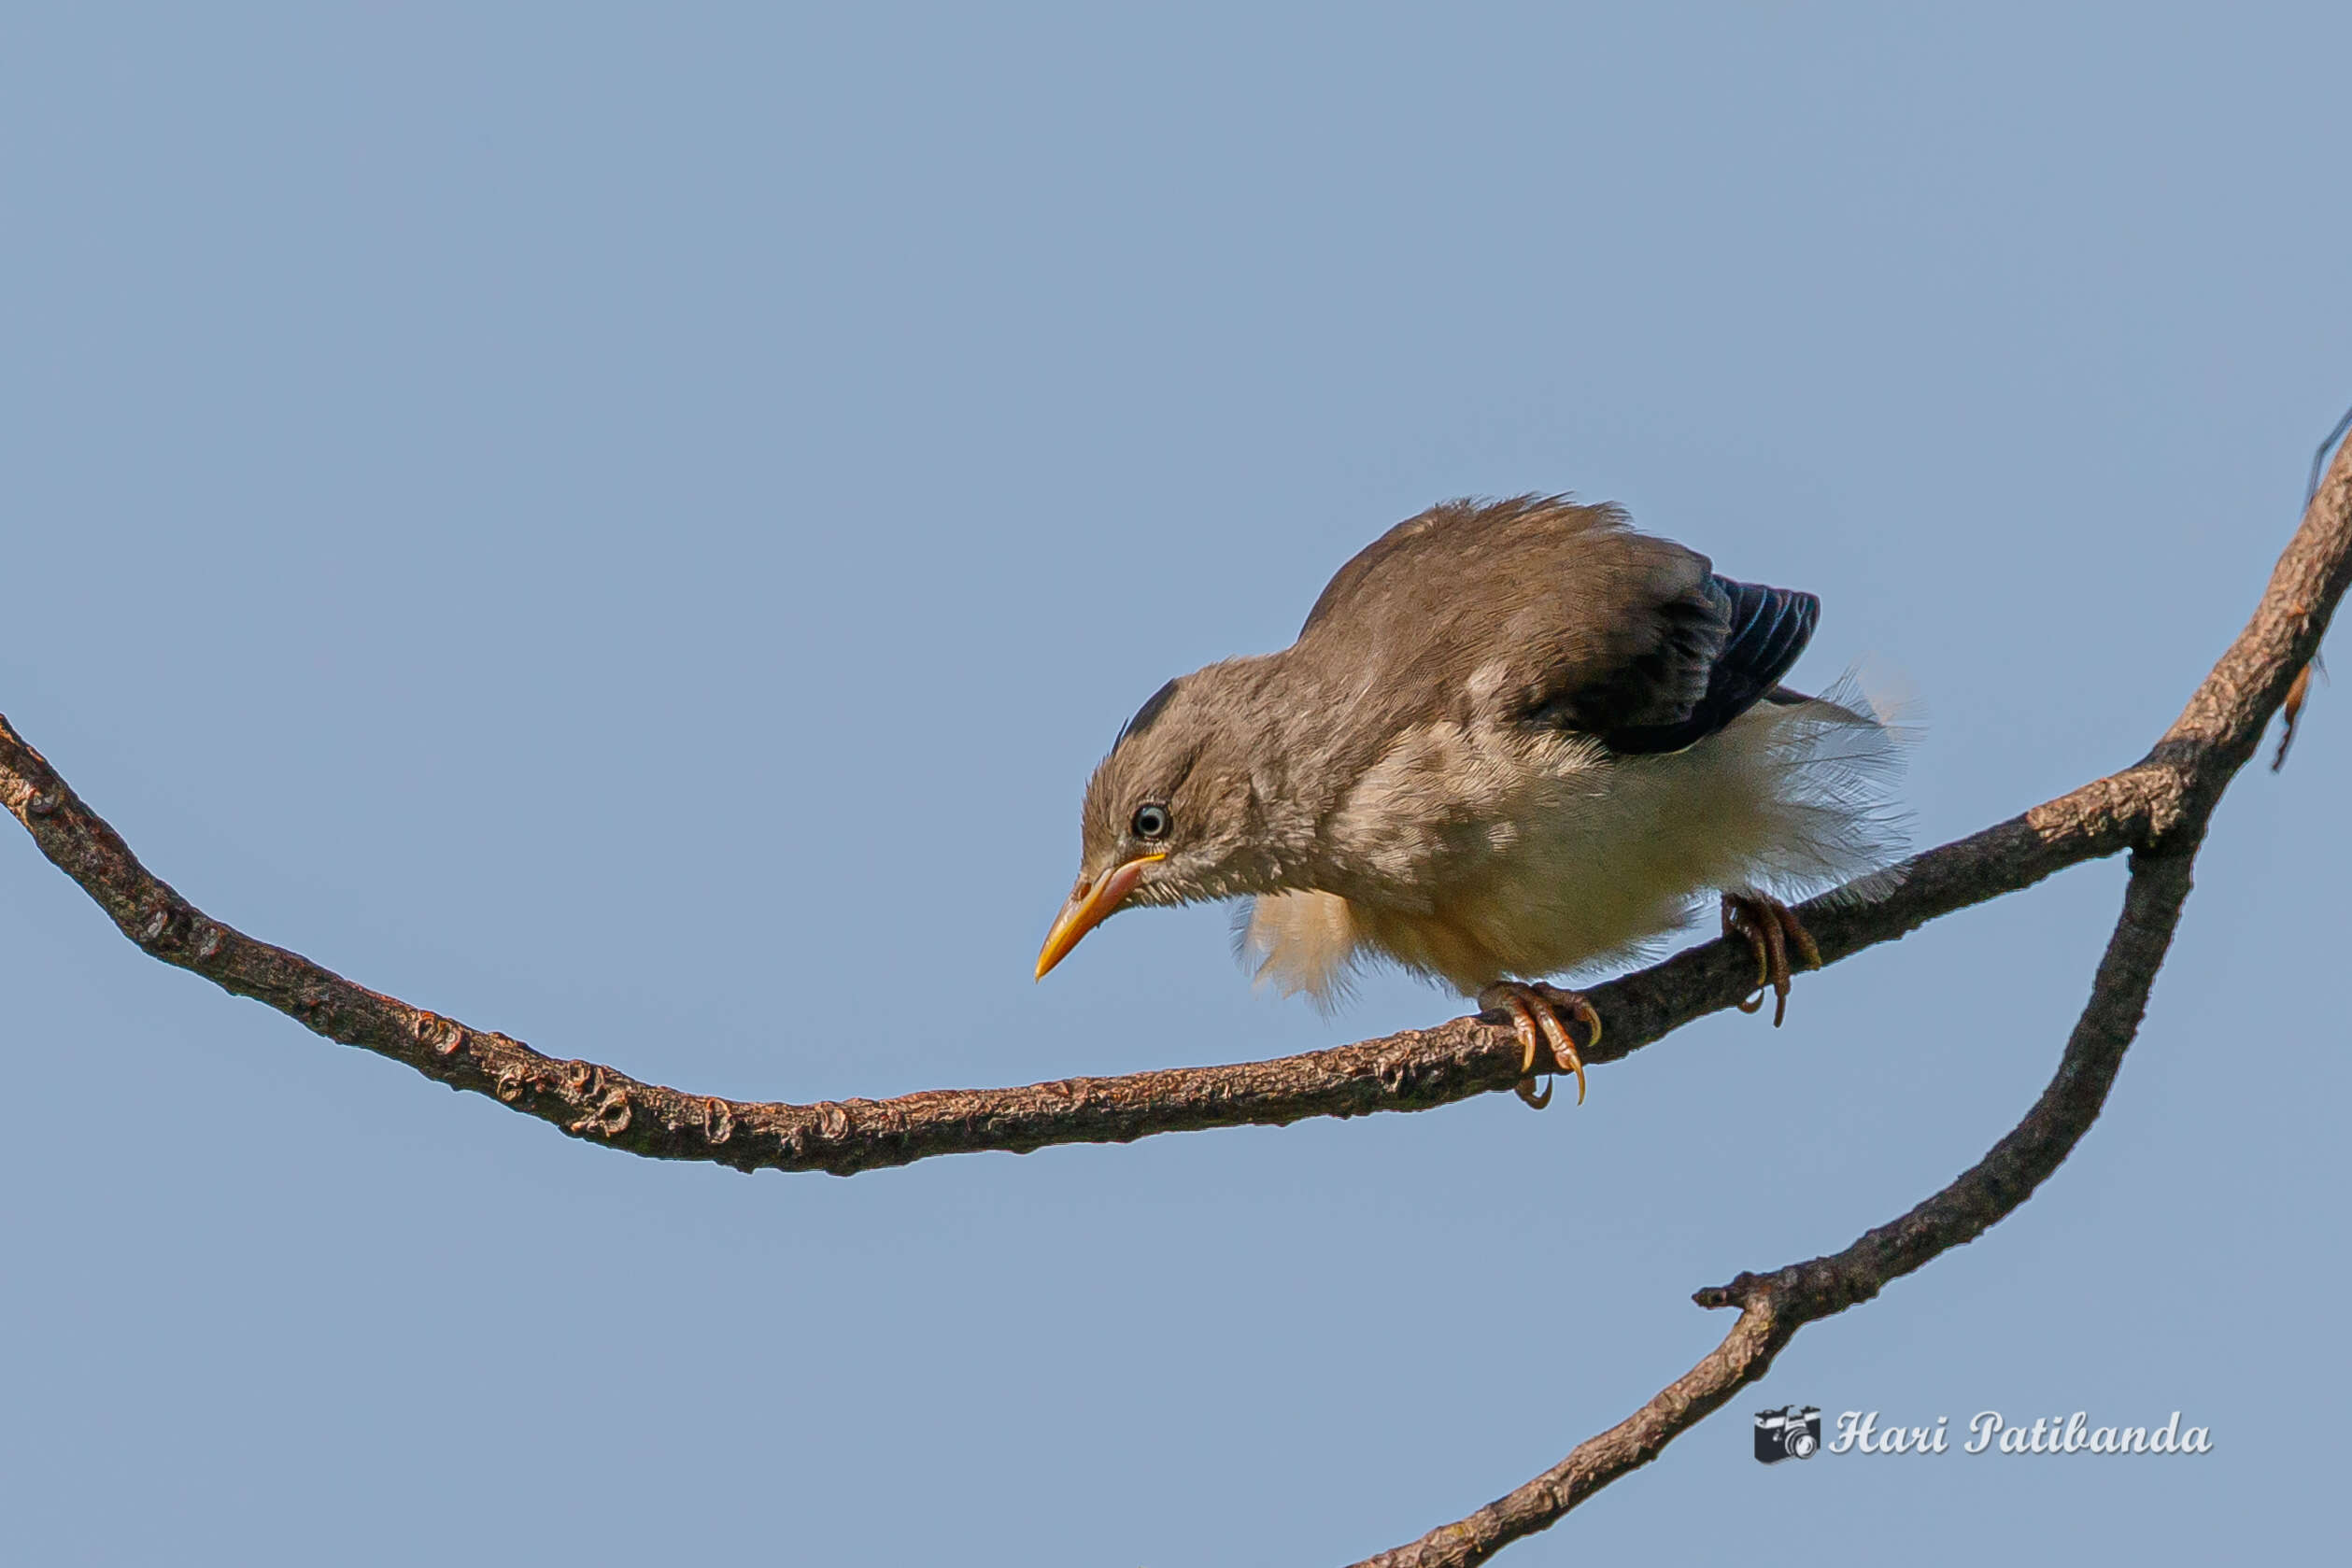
1768,627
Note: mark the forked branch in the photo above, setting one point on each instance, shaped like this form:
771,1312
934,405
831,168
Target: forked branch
2213,738
2156,808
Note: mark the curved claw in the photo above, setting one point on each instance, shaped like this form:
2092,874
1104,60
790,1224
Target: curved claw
1523,1025
1777,939
1807,954
1533,1018
1740,921
1780,943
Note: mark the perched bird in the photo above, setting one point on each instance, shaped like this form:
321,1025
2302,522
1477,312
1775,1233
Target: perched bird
1513,740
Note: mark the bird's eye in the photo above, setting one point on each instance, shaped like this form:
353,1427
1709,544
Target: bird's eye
1152,822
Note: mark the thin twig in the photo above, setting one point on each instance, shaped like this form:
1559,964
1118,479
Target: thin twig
2291,716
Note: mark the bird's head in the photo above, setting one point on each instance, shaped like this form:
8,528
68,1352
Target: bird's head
1171,816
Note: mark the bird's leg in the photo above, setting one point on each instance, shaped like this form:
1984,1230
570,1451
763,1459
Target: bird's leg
1780,942
1764,934
1534,1019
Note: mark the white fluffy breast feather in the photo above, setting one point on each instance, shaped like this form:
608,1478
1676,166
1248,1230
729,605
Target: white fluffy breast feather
1471,853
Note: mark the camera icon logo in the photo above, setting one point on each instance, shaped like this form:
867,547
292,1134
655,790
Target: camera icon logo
1792,1431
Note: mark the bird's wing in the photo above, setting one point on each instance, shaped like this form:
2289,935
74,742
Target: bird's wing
1541,611
1765,630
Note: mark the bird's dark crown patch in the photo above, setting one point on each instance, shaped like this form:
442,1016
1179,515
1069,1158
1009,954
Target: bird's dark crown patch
1153,706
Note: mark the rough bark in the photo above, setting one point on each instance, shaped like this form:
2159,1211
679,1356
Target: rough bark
2161,807
1415,1069
2157,809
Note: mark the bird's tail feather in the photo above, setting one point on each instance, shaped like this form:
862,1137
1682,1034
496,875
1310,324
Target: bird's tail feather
1839,757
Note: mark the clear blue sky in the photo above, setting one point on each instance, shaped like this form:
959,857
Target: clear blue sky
630,528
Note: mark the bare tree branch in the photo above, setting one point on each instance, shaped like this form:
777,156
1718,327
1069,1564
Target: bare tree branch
1412,1070
1415,1069
2213,738
2157,809
1774,1306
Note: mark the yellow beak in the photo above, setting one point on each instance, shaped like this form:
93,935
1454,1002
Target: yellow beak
1088,908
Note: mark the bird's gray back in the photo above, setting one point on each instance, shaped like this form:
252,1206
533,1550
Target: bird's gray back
1529,609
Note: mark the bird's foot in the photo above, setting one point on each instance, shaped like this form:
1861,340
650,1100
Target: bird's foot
1545,1044
1780,942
